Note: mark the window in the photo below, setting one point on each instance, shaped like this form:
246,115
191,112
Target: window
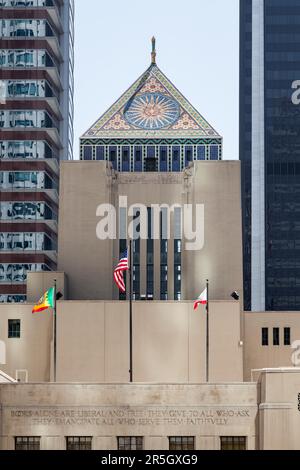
276,340
287,336
177,270
14,328
265,337
181,443
130,443
233,443
79,443
27,443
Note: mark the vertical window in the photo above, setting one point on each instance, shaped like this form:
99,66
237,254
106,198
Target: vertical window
214,152
14,328
177,253
276,340
150,257
287,336
136,248
126,159
177,269
79,443
201,152
233,443
189,155
151,162
130,443
122,248
100,152
113,157
265,336
163,255
27,443
163,165
176,166
138,159
88,152
181,443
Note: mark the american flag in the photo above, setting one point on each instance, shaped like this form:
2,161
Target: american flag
119,272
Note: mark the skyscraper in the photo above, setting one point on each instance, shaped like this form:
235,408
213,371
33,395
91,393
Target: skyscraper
36,120
270,152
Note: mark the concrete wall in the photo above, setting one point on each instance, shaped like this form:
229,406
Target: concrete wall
257,356
93,342
89,262
31,352
279,409
105,412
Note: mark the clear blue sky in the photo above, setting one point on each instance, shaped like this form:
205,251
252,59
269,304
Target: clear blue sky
197,46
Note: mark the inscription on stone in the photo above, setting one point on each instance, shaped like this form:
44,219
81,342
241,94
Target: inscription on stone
129,417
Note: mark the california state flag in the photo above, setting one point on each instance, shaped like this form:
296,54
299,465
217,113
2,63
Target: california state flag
202,300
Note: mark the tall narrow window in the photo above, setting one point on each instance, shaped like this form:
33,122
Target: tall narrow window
126,159
189,156
176,164
214,152
136,246
150,257
100,152
287,336
88,152
14,329
138,159
113,157
151,162
163,256
276,337
201,152
177,269
163,165
122,248
265,336
177,254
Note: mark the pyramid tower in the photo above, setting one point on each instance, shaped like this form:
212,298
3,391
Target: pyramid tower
151,127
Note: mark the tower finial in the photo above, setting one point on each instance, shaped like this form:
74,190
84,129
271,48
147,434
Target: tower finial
153,55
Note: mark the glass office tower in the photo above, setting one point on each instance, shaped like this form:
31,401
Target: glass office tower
270,152
36,131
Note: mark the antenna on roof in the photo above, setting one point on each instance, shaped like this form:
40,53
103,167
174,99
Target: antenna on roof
153,54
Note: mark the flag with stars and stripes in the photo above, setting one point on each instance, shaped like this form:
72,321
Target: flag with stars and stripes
122,267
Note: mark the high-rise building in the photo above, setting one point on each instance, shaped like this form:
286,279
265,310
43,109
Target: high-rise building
270,152
36,121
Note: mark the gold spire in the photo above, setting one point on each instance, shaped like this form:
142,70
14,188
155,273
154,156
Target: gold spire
153,55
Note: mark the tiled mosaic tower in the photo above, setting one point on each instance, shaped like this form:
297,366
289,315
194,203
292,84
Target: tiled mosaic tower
152,127
36,121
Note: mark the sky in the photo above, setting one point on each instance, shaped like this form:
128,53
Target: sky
197,45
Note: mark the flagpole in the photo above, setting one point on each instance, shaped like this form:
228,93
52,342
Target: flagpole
55,329
130,317
207,332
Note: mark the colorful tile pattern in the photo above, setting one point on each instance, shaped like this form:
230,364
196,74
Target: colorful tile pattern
151,108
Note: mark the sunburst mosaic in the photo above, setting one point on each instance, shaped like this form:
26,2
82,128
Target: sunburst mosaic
152,111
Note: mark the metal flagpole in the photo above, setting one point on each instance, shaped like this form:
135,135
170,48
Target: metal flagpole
55,329
207,332
130,316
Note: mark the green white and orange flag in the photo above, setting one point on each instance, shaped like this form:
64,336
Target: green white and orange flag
47,301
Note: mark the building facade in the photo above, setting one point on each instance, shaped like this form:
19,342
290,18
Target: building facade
36,120
269,151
